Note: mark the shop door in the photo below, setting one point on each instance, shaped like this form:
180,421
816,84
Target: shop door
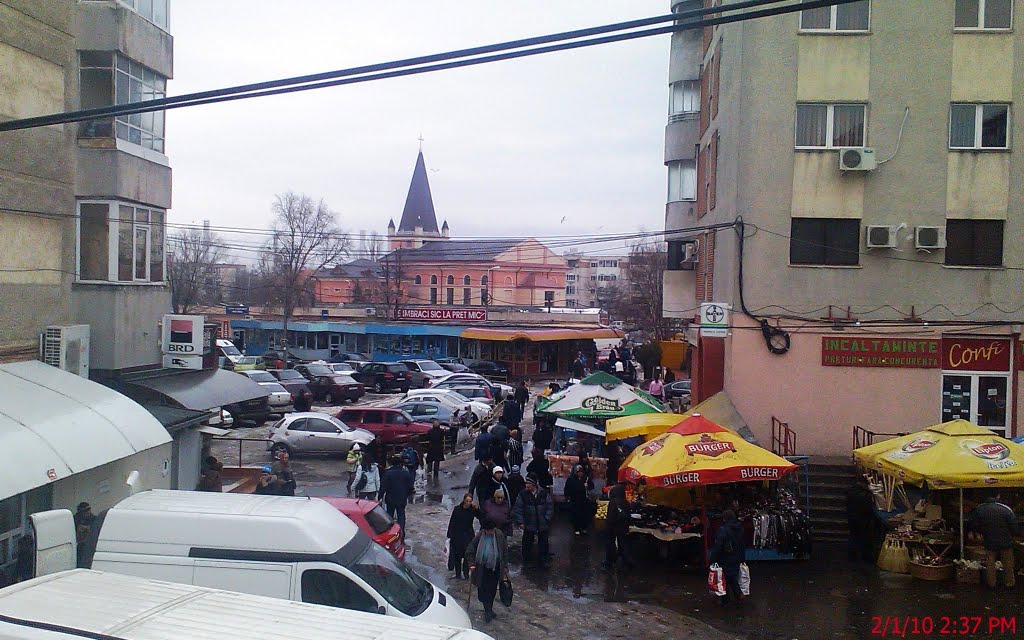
981,399
335,344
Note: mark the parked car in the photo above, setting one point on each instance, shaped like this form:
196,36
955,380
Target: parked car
423,411
293,381
227,350
342,367
477,392
246,363
312,432
336,388
422,373
455,367
389,425
313,369
384,376
451,399
275,359
443,361
489,368
280,399
347,356
603,355
679,389
374,521
256,410
497,388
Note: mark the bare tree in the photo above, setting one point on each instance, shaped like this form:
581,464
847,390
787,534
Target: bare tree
392,273
192,273
305,239
640,302
372,246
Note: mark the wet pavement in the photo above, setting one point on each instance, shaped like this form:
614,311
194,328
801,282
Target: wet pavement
824,597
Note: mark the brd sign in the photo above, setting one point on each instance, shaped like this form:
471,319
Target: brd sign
182,335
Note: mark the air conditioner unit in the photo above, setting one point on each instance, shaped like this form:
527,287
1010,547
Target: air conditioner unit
247,317
881,236
690,256
370,311
67,348
930,238
857,159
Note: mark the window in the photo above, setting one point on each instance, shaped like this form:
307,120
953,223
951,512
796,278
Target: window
570,277
153,10
330,588
593,278
682,181
854,16
974,243
609,263
684,100
983,14
824,241
433,279
979,126
120,243
433,295
318,425
830,126
483,281
107,79
570,290
467,296
593,265
451,279
417,280
451,297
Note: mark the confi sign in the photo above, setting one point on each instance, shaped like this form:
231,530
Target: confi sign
905,353
975,354
182,335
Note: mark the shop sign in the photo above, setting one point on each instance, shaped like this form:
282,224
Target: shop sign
182,362
708,446
975,354
431,314
714,320
995,454
237,309
900,353
600,403
182,335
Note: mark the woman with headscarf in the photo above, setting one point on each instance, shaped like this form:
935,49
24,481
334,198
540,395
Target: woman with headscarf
460,533
488,557
581,512
498,510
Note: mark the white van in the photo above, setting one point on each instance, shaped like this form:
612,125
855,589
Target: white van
227,349
93,604
294,548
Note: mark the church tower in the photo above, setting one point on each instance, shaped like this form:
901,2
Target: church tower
419,221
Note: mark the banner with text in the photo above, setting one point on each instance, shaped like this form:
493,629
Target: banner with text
975,354
900,353
431,314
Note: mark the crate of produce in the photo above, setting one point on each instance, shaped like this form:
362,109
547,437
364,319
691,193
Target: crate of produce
933,572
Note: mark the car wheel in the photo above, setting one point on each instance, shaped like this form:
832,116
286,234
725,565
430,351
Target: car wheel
378,387
278,448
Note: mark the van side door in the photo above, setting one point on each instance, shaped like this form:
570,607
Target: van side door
328,584
56,541
272,579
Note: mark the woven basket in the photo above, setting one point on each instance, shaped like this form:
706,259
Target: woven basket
930,572
967,576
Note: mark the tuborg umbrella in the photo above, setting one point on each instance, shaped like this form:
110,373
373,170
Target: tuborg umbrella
699,452
599,396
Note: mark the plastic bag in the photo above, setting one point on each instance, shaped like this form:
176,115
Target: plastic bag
505,592
894,557
447,548
716,580
745,579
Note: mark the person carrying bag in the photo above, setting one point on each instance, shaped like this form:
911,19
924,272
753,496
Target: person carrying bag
488,556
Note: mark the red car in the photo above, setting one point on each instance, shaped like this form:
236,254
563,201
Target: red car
374,521
335,388
390,426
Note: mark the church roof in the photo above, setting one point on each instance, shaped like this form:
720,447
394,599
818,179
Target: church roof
419,205
461,250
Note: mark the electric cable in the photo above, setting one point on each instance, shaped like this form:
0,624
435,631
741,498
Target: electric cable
777,340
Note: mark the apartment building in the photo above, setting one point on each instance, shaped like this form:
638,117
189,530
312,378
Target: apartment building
869,150
592,278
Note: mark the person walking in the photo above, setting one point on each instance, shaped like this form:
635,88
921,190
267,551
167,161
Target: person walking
540,468
303,401
488,557
532,513
483,443
581,512
211,479
514,455
543,434
657,389
367,483
615,460
353,459
617,527
511,414
460,533
283,471
487,486
266,485
997,525
498,510
481,475
578,368
860,516
522,396
515,483
729,553
435,447
395,488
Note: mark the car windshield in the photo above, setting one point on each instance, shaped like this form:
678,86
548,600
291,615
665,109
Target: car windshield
407,416
397,368
430,366
319,370
289,374
343,380
246,360
275,388
230,350
342,366
394,580
261,376
379,520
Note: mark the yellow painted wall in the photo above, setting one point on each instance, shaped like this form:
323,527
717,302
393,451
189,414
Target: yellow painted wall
833,68
30,243
20,99
978,185
821,190
983,67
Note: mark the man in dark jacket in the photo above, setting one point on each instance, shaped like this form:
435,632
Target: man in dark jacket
617,527
435,447
395,488
483,443
481,475
515,483
543,434
729,553
511,414
532,513
522,396
998,525
860,518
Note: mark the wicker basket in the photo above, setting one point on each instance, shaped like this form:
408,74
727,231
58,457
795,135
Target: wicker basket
931,572
965,575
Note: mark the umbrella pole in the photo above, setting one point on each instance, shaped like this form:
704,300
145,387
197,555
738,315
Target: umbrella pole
704,523
961,523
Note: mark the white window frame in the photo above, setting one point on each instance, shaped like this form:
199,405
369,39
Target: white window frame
830,124
833,21
133,5
688,102
677,194
114,223
981,19
979,111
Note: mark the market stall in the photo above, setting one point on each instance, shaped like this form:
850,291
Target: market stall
952,455
696,469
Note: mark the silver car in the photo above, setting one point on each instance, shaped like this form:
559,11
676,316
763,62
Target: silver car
312,432
280,400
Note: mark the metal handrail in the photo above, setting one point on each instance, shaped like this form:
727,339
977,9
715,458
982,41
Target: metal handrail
863,437
783,438
240,441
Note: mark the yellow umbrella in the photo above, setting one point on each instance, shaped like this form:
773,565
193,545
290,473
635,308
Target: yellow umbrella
954,454
647,424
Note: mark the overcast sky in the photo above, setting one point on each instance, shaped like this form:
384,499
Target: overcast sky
512,147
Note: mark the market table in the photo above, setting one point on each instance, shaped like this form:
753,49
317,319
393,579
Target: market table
666,536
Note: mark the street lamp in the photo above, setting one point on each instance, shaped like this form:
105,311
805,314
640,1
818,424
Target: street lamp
490,284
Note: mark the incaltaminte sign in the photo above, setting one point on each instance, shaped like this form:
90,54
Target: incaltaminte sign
905,353
431,314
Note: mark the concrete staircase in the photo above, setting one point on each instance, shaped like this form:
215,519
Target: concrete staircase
829,478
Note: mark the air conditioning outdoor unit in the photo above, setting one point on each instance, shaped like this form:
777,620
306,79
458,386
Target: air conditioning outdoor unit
67,348
930,238
370,311
690,256
881,236
857,159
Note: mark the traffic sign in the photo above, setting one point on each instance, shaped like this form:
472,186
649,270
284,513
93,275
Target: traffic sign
714,320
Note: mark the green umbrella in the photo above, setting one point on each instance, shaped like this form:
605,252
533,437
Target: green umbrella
598,396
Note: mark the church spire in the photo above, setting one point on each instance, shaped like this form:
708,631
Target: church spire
419,205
